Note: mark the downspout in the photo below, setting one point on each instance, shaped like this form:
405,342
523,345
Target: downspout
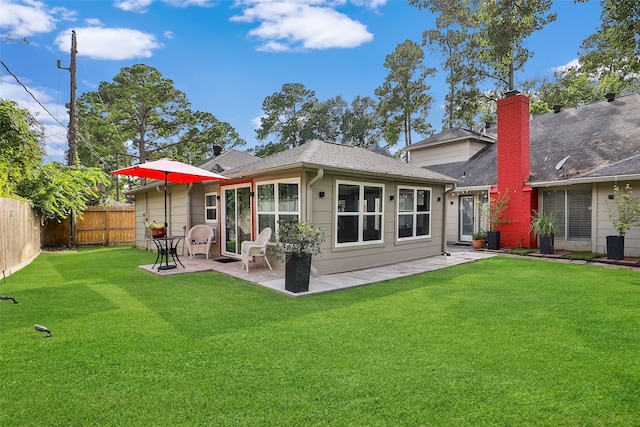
444,220
309,213
315,179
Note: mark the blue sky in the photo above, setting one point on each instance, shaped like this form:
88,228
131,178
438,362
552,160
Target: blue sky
227,56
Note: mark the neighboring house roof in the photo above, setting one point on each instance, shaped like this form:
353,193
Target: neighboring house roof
337,157
228,160
602,140
489,136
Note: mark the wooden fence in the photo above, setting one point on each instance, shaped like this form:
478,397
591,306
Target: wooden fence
19,235
22,236
99,225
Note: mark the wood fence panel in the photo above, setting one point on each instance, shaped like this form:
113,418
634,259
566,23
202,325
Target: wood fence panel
106,225
20,235
56,234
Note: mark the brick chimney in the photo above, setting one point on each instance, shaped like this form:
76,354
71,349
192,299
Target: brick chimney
514,171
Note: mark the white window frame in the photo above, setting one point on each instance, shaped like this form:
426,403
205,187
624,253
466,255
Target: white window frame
215,208
276,212
414,212
360,213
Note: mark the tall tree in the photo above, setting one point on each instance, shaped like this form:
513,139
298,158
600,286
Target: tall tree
404,101
614,49
503,26
284,116
143,109
464,98
323,120
203,132
21,145
361,125
483,42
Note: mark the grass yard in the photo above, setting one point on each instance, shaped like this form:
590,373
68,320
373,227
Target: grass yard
503,341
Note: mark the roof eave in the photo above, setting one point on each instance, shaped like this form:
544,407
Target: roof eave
584,180
486,139
306,165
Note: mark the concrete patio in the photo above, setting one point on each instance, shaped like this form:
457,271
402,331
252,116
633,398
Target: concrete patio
261,275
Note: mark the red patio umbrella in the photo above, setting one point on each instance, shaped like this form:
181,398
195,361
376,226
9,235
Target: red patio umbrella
169,170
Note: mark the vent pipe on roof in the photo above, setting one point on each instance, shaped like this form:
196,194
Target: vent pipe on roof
610,96
217,150
557,108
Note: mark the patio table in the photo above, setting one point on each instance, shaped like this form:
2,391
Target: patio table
167,246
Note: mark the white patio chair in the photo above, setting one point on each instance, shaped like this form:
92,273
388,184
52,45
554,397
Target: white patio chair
199,239
256,248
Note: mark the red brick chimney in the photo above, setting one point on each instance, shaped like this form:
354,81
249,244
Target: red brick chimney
514,171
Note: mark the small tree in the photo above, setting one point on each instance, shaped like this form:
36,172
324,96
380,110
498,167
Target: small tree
493,210
624,212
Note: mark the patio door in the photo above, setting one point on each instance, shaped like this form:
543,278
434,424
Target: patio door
467,215
237,224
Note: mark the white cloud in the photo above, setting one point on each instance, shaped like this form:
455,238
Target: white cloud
306,24
133,5
168,34
26,18
141,6
110,43
187,3
94,22
574,63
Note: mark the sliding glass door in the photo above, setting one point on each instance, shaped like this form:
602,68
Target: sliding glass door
237,223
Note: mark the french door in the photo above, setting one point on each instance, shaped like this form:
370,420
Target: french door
467,215
237,224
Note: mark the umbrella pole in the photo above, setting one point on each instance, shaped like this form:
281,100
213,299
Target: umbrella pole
165,201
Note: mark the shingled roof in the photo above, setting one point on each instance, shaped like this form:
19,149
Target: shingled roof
228,160
451,135
601,139
337,157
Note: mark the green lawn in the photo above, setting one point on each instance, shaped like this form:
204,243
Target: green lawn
503,341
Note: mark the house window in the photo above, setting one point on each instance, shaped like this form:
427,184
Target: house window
277,201
414,212
572,209
211,207
359,214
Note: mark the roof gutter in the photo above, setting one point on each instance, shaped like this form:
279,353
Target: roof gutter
303,165
462,189
584,180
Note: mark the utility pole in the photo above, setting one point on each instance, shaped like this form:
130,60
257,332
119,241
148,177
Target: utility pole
73,125
73,120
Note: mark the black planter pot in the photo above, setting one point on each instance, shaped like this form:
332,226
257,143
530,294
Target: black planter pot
493,240
297,272
546,244
615,247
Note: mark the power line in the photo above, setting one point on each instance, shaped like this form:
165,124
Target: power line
32,95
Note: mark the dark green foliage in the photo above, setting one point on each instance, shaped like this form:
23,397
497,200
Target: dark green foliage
55,189
21,147
403,98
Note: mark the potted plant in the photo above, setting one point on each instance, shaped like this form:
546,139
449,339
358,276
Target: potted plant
543,226
157,230
493,212
479,239
624,212
296,243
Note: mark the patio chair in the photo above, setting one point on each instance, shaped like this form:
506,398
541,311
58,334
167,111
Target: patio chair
199,239
256,248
